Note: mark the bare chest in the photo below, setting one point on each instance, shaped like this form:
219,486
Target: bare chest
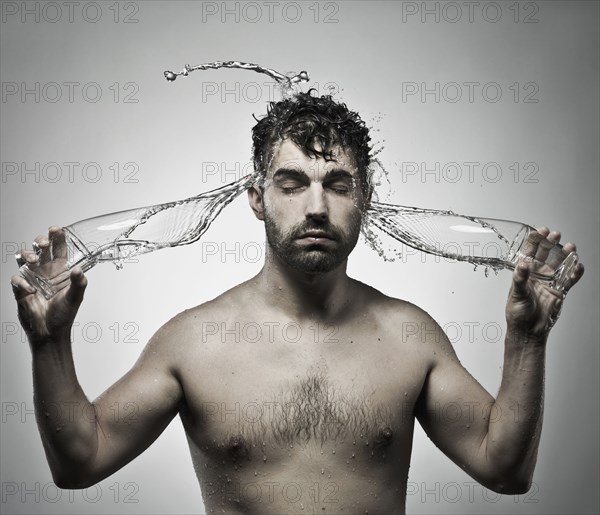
285,387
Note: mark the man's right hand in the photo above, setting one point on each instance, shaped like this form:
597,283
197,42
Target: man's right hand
48,320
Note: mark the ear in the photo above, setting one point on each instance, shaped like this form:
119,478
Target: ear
255,200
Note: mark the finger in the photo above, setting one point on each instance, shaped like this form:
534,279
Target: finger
58,242
573,278
546,245
38,240
543,230
554,254
532,242
569,247
520,277
21,288
78,285
44,250
36,245
29,257
554,237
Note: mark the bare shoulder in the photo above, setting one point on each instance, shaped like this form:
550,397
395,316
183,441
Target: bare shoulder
411,325
189,326
392,309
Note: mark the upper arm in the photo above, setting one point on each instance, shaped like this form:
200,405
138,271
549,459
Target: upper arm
453,408
134,411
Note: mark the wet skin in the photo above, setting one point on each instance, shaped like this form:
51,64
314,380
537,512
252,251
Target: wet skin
302,418
310,416
298,389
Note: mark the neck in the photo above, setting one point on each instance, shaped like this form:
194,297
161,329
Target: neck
302,295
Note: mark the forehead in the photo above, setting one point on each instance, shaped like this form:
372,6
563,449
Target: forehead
286,154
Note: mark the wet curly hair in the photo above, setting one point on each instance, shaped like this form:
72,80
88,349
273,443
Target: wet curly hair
310,121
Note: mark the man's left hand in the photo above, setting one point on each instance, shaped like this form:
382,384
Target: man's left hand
533,306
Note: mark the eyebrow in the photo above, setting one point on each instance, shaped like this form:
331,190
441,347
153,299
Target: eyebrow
290,172
334,173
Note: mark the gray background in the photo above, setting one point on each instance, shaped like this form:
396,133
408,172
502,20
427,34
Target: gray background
177,134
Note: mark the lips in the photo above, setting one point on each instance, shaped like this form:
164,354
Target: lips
314,234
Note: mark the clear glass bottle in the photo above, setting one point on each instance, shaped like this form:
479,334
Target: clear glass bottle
497,244
119,236
492,243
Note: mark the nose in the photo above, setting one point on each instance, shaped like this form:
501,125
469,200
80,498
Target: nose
316,207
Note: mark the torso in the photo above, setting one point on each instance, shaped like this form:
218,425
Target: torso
300,417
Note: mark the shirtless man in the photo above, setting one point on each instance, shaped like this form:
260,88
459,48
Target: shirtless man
299,388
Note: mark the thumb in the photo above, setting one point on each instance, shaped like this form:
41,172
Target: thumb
77,288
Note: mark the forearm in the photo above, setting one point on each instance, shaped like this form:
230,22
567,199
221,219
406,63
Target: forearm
515,422
66,419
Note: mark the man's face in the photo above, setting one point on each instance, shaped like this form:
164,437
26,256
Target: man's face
312,208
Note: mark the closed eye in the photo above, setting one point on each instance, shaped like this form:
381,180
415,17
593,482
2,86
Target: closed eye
339,181
290,189
339,186
342,190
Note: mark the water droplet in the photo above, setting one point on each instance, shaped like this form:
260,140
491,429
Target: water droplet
170,76
322,471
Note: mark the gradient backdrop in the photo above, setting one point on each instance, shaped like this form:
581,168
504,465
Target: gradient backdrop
485,108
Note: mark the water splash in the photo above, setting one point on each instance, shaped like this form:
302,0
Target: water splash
442,233
490,243
119,236
185,221
287,83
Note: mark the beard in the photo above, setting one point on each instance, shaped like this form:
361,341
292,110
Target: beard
317,257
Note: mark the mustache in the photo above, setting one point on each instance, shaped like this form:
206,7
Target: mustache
332,231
